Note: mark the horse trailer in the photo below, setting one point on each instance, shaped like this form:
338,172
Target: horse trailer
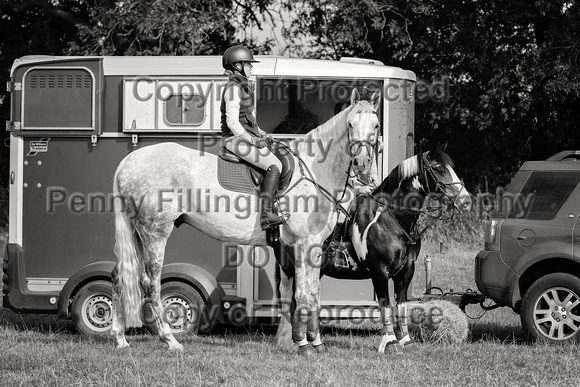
73,119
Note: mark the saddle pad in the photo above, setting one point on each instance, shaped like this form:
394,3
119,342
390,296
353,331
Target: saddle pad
235,177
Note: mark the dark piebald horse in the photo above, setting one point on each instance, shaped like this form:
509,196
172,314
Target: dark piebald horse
385,238
385,235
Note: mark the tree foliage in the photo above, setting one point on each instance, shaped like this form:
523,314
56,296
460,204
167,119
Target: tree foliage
512,68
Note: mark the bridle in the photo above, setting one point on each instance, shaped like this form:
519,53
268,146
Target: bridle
354,145
369,145
440,186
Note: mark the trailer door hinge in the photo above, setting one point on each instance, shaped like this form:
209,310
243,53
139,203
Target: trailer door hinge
135,139
94,140
13,86
13,125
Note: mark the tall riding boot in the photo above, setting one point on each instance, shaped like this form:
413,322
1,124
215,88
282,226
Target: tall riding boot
267,191
337,256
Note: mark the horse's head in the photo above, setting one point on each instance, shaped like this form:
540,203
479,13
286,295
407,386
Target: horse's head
363,131
440,177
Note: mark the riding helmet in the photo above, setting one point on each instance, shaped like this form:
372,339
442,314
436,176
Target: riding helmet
237,54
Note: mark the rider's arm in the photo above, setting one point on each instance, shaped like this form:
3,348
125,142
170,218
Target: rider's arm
233,101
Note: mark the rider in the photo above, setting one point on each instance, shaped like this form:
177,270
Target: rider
240,131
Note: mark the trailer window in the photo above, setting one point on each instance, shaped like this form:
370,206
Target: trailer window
58,98
180,109
298,105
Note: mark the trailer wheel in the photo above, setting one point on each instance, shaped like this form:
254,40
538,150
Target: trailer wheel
92,309
550,309
183,308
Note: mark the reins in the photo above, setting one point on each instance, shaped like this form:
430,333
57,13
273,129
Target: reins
325,192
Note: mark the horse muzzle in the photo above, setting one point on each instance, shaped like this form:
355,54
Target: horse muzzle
463,202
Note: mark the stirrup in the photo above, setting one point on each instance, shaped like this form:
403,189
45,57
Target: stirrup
271,219
338,259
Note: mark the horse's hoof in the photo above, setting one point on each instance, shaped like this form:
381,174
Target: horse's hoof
394,347
410,345
122,344
320,348
306,350
175,348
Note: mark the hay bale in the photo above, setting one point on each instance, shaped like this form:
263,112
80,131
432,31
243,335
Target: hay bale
438,321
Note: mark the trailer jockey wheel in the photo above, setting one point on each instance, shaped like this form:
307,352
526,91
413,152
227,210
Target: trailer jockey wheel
92,309
184,309
550,310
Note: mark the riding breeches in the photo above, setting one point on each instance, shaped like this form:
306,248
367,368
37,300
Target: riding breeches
262,158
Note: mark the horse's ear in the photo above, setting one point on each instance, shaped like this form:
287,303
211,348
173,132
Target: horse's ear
354,97
442,147
376,100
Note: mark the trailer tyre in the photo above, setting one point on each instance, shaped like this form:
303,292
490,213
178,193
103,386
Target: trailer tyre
92,309
550,309
184,309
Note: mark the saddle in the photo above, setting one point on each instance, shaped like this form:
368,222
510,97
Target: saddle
236,174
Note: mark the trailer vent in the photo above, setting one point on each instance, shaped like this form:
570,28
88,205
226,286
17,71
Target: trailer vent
79,81
58,98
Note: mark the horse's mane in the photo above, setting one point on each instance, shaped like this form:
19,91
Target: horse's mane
327,131
411,167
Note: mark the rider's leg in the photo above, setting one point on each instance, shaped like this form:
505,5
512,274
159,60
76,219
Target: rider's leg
265,160
261,158
336,255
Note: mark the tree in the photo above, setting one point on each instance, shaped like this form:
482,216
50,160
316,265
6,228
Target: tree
512,69
130,27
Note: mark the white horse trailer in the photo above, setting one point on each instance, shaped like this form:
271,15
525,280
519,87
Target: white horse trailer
73,119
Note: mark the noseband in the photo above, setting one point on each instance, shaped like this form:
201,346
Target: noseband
354,145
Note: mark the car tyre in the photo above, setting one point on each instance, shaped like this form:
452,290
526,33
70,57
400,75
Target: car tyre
550,310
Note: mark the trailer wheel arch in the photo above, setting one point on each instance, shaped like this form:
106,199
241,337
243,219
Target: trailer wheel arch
96,271
199,278
189,274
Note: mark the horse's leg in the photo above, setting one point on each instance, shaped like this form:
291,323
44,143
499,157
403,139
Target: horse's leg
118,323
153,248
284,333
389,340
305,328
402,283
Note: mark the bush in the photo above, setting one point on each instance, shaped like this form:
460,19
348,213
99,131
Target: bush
466,228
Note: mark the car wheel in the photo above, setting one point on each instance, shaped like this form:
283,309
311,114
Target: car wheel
550,309
183,308
92,309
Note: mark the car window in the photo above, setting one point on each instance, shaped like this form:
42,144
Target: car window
543,195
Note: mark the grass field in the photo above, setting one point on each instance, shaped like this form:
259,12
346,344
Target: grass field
39,350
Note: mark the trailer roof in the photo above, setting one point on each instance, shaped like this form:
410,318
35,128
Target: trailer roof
211,65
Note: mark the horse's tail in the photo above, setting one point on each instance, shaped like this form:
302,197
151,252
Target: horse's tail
126,249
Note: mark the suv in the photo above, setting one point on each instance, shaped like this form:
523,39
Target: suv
531,257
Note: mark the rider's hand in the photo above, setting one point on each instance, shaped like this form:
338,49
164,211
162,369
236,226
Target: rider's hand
363,189
259,142
265,136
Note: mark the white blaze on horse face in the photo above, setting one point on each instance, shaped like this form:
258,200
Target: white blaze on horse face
462,197
458,187
363,126
359,242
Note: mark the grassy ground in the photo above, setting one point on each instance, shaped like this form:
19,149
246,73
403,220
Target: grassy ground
39,350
